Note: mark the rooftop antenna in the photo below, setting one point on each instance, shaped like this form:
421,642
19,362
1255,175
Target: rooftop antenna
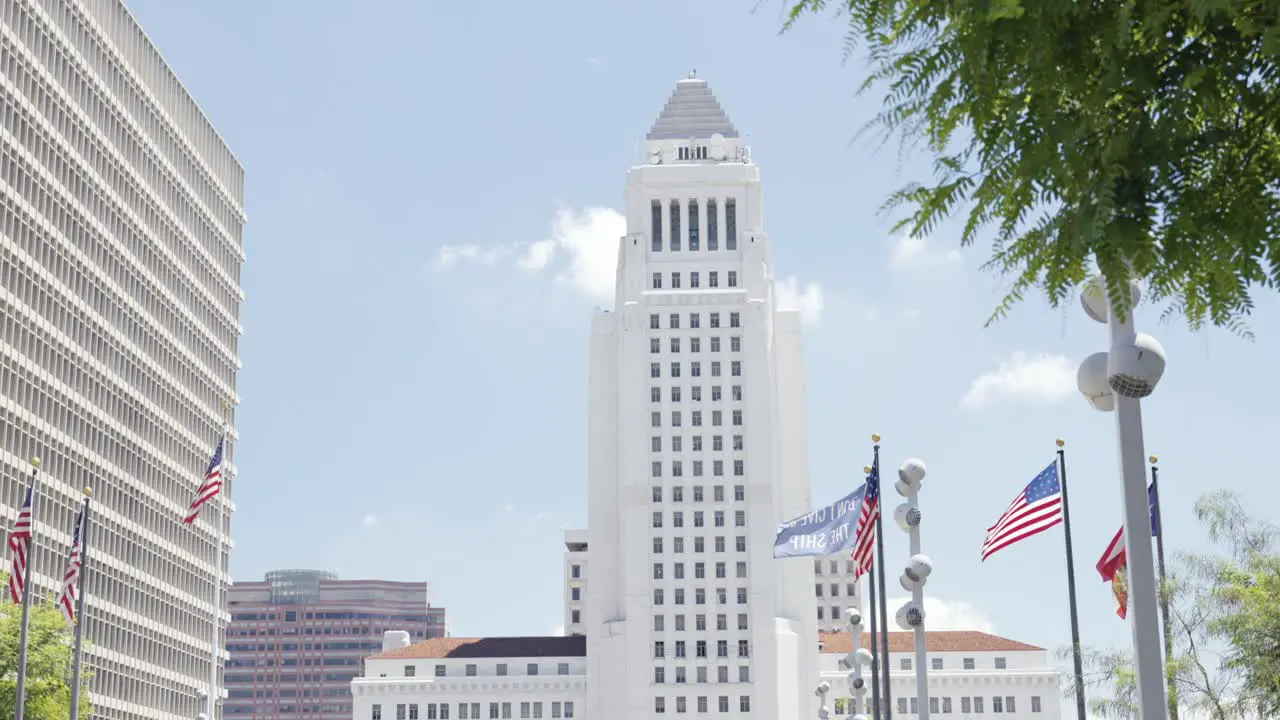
693,74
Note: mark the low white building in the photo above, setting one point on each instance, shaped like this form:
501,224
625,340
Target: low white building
971,675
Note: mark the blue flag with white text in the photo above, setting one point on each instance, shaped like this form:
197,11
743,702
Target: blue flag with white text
824,531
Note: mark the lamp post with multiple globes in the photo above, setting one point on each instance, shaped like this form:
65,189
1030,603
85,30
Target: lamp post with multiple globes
1117,381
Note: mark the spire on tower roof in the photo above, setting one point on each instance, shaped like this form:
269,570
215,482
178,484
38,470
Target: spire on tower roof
691,112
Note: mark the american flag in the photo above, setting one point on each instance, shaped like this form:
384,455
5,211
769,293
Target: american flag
866,533
1036,509
19,544
71,579
211,486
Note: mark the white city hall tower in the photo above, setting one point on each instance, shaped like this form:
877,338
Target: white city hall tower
697,446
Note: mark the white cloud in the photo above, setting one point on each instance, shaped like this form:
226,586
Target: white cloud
913,253
589,241
807,300
1042,379
942,614
369,520
451,255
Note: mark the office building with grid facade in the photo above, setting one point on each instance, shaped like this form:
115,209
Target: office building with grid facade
121,220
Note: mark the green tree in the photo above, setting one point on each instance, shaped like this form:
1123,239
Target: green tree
1225,608
49,657
1140,136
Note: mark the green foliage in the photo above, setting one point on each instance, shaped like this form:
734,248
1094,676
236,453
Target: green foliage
1144,136
1224,612
49,658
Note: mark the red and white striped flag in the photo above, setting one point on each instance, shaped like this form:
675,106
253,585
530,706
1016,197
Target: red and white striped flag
19,546
211,486
71,578
865,535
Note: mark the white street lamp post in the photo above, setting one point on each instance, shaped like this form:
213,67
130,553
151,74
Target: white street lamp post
1118,381
821,691
911,615
857,659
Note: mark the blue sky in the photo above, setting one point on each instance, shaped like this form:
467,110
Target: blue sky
432,196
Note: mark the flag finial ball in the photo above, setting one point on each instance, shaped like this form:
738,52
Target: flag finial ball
875,437
866,469
1154,459
35,461
88,492
1060,442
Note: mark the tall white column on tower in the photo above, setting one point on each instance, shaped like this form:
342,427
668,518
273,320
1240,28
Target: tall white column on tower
697,445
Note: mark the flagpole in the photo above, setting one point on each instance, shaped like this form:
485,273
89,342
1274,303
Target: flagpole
215,637
872,607
884,594
1164,589
20,705
1076,650
79,642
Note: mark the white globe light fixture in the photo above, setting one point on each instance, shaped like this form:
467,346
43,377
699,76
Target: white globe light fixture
910,616
1116,381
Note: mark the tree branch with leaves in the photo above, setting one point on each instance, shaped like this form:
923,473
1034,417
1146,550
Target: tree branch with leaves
1140,136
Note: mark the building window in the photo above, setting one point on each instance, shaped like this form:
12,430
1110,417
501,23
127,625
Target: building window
675,225
935,663
531,669
744,703
655,224
575,571
977,706
502,669
904,663
1035,703
694,243
968,665
730,224
410,670
562,669
376,713
713,226
493,711
946,705
568,708
735,319
997,704
657,281
902,706
675,281
413,711
659,704
440,671
966,705
576,616
933,705
1008,704
1002,663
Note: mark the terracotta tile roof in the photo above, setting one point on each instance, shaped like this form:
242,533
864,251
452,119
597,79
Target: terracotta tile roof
490,647
936,641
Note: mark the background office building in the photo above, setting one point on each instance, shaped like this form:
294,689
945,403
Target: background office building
121,220
299,637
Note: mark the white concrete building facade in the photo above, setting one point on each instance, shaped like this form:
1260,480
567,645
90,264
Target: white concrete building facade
121,233
833,586
697,445
575,582
972,675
